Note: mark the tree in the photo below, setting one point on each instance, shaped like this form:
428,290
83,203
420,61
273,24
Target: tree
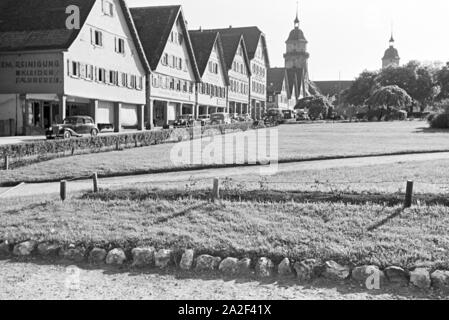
442,78
390,97
318,106
361,89
416,79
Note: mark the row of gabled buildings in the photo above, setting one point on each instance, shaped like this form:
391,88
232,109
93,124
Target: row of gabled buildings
135,68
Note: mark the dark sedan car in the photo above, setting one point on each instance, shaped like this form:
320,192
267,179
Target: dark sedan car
73,127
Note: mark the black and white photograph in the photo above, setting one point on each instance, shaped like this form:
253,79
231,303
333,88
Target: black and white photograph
236,152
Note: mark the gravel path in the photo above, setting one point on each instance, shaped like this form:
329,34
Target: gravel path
129,181
48,282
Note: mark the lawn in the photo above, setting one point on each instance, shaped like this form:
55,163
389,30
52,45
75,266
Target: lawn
296,142
297,230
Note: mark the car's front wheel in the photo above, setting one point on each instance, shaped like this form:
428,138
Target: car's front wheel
94,133
67,135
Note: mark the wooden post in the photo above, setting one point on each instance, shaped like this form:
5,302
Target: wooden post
409,195
63,190
6,162
216,190
117,144
95,181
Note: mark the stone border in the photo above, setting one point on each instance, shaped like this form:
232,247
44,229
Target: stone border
369,277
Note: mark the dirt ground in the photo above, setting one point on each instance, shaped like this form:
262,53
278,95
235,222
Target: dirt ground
33,280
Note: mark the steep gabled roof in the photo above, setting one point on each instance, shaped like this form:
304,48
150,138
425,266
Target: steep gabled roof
230,45
41,25
203,43
154,25
252,36
275,79
38,24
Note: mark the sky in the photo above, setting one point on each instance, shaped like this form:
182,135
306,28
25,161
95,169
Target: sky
345,37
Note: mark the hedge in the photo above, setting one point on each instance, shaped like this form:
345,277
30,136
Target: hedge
439,121
37,151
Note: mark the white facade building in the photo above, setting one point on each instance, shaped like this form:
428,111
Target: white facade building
99,70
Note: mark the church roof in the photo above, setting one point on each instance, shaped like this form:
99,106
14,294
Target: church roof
295,79
296,35
391,53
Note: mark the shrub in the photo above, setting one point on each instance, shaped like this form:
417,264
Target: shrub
439,121
30,152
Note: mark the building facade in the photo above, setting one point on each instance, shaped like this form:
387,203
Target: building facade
239,73
391,56
174,73
212,92
49,72
257,51
278,89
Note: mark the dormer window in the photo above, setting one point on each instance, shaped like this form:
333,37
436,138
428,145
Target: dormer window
108,8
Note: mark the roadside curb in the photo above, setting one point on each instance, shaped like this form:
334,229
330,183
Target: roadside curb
225,166
369,277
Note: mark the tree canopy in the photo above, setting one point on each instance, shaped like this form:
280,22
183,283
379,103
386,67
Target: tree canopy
424,83
390,97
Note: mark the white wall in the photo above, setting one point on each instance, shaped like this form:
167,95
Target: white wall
215,79
259,61
160,91
83,51
233,75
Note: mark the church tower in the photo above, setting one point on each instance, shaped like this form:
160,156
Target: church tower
296,55
391,57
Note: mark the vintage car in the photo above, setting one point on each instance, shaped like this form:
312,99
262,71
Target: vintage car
220,118
75,126
205,119
184,121
274,116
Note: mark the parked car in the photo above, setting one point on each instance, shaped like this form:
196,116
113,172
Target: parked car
220,118
74,126
274,116
183,121
302,116
205,119
245,117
